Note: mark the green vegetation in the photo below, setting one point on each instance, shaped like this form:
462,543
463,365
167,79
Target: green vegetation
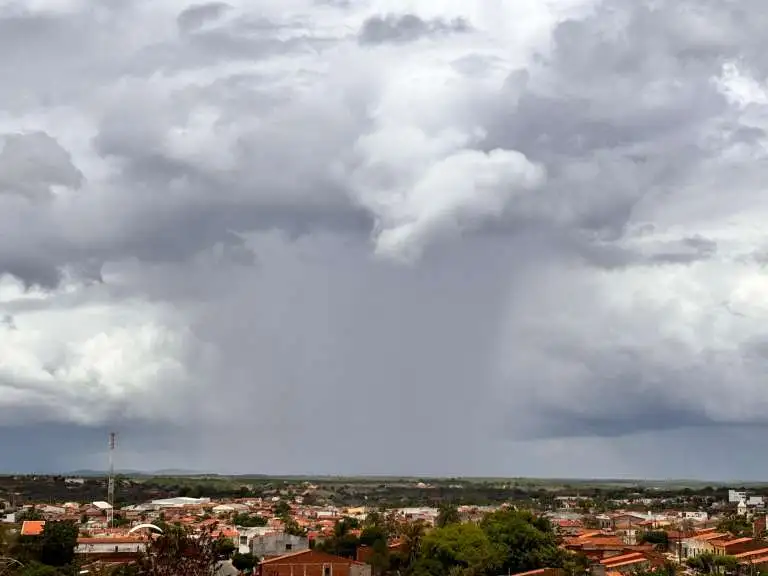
249,520
448,514
244,562
178,552
659,538
50,554
600,495
713,564
736,525
506,541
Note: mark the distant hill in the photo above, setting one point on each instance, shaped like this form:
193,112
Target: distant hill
129,472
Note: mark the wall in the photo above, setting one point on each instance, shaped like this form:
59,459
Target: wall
313,563
277,544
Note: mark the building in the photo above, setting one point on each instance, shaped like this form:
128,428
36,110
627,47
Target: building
112,550
277,544
700,543
730,546
312,563
245,537
736,496
628,563
123,544
179,502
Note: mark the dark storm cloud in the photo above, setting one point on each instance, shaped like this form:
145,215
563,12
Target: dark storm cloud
406,28
31,163
360,252
195,16
59,448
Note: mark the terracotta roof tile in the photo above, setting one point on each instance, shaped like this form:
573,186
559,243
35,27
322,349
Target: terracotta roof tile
32,527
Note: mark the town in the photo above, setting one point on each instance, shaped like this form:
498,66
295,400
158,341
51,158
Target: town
377,526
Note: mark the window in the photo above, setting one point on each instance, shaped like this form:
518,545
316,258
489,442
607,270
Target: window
326,570
288,546
243,540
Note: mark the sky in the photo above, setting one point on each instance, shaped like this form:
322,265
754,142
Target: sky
455,237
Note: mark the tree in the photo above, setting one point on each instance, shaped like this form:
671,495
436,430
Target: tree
282,508
458,549
342,543
447,514
224,547
576,564
290,526
529,542
244,562
58,543
179,552
248,520
29,514
713,564
380,557
54,547
411,536
6,540
737,525
659,538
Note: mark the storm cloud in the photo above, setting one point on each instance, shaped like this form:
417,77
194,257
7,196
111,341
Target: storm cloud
473,237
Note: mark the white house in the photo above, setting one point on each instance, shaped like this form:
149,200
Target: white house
246,535
115,545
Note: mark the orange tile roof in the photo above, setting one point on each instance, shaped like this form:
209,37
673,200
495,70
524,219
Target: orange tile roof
736,541
762,551
279,559
32,527
621,558
760,560
710,536
531,572
629,562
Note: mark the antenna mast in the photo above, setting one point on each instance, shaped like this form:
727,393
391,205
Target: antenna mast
111,481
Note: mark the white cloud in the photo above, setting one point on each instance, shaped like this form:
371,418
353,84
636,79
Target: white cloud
89,361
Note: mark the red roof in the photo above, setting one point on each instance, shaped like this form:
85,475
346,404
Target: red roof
32,527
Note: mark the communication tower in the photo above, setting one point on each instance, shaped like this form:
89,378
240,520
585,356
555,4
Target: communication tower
111,481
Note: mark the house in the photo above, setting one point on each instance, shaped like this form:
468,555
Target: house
223,509
753,557
628,563
245,537
312,563
277,544
111,549
598,544
730,546
700,543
